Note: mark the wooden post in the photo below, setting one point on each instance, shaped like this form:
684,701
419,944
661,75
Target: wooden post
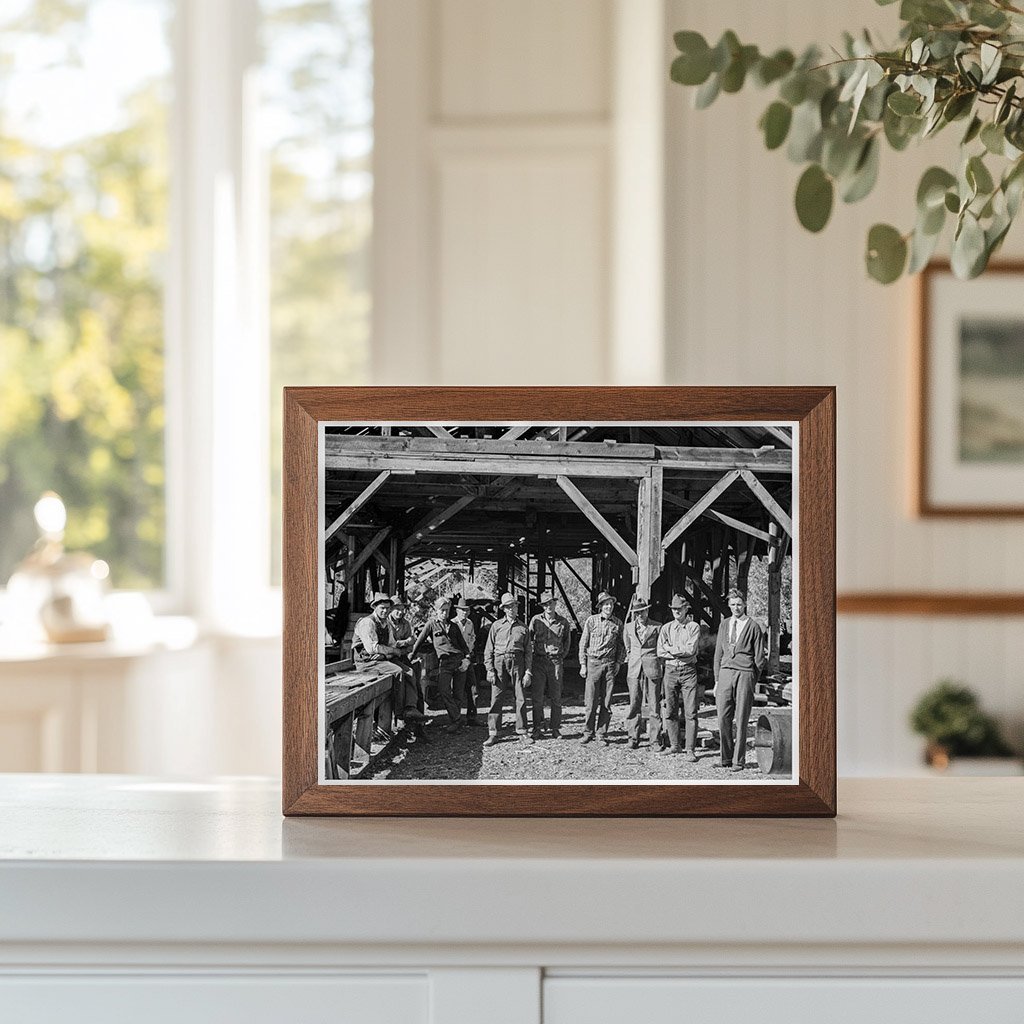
393,550
503,567
350,570
774,598
650,553
744,552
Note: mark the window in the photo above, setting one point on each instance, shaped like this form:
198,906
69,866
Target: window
317,121
83,239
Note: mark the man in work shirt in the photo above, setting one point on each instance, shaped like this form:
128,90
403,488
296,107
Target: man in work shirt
739,660
508,659
550,638
450,648
677,647
643,673
601,655
371,644
466,669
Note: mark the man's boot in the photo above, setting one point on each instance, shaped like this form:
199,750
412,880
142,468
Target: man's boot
674,746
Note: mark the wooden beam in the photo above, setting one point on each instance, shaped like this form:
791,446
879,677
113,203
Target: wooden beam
736,524
612,535
439,432
434,520
650,553
514,433
780,435
583,582
690,517
375,541
497,465
565,596
762,495
774,601
374,485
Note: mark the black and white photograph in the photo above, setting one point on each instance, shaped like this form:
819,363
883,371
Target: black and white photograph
558,602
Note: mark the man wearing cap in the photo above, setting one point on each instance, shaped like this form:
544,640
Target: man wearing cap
678,641
465,680
371,644
601,655
508,659
739,660
643,673
450,648
402,639
550,639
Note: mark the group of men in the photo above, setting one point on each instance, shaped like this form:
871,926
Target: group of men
524,665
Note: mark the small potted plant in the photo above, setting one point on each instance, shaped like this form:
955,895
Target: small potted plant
951,720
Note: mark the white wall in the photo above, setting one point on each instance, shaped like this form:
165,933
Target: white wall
511,138
753,298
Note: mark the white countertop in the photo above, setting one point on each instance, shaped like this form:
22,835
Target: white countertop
121,859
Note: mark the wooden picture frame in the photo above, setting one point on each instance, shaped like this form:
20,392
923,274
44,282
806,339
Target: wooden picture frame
810,409
930,378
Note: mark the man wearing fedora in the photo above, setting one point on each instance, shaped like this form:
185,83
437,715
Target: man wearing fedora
678,641
508,659
550,638
643,673
371,644
451,650
739,661
601,655
465,681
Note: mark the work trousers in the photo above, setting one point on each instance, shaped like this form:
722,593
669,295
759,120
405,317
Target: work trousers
470,692
643,689
597,697
451,685
428,660
404,692
508,683
682,695
547,682
734,695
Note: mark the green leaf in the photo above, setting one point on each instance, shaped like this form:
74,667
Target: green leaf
814,194
1005,104
886,254
693,65
903,103
771,69
987,15
978,176
957,106
931,191
725,50
922,247
775,124
952,202
865,173
991,60
993,138
794,89
973,129
805,133
735,74
707,93
969,255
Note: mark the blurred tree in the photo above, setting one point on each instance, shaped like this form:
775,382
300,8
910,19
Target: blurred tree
82,233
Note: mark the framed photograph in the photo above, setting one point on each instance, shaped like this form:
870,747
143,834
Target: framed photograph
970,423
559,601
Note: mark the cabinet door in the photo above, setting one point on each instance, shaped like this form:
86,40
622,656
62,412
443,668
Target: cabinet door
569,1000
205,999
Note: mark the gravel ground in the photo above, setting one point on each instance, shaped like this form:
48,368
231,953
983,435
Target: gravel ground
463,755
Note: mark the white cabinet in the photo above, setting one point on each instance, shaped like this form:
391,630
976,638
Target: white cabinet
125,898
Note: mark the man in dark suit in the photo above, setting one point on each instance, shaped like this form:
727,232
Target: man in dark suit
739,661
643,673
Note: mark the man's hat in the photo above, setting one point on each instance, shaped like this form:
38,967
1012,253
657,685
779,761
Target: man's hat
440,602
548,597
509,599
379,598
679,602
462,604
398,601
603,597
641,604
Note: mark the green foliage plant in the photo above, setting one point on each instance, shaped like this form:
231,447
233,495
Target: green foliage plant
949,716
957,62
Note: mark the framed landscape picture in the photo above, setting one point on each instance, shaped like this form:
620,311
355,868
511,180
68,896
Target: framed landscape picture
559,601
970,444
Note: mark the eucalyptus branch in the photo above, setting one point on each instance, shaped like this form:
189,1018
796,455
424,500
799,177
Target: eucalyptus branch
955,61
